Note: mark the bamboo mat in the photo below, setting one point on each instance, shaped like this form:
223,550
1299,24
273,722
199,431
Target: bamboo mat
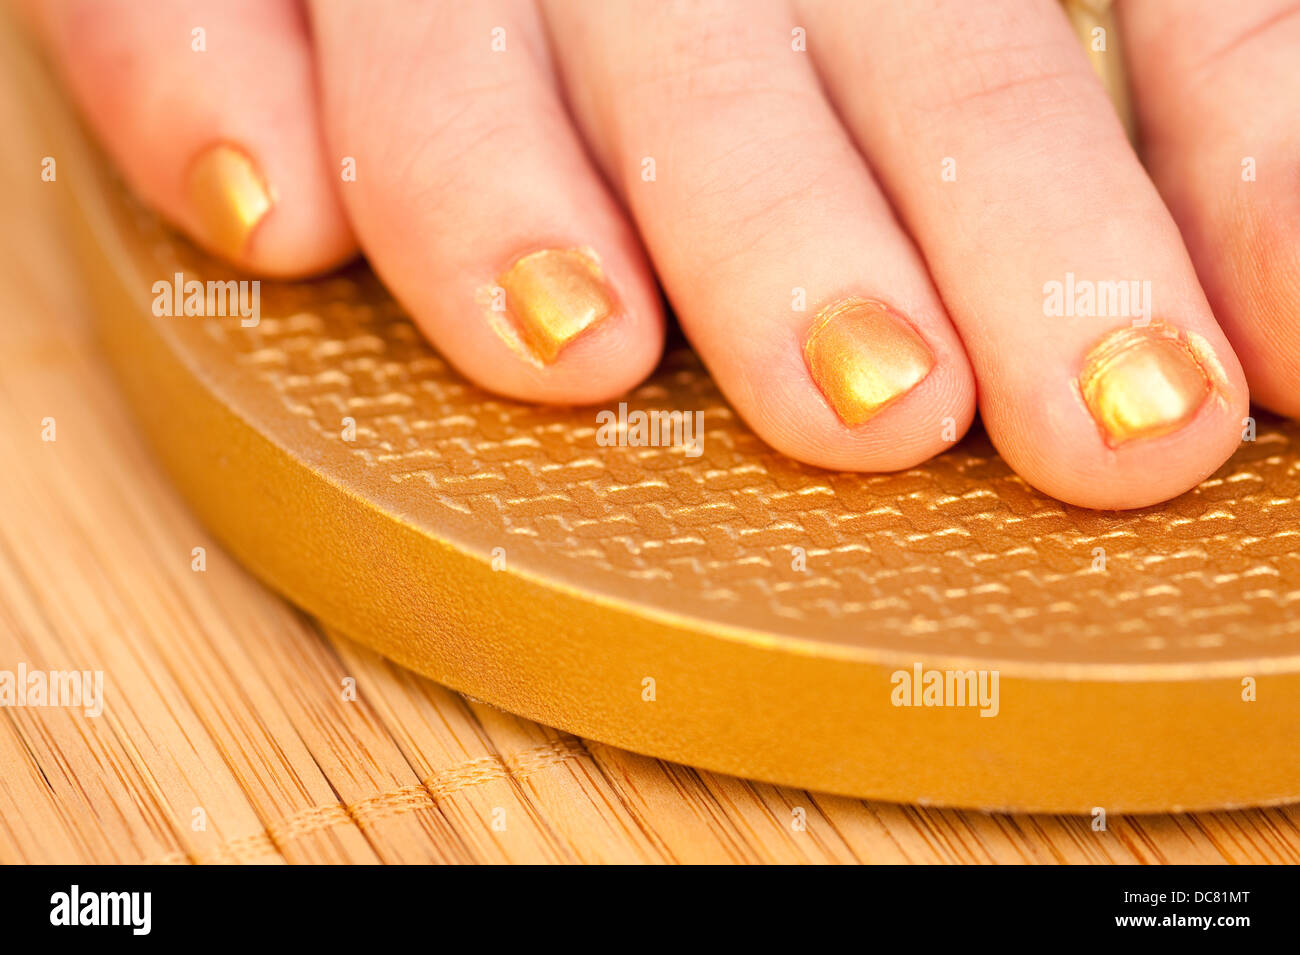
236,731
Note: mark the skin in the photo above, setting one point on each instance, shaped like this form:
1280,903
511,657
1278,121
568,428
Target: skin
776,169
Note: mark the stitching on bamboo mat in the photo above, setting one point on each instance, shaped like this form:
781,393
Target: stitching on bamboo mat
306,821
240,851
455,778
372,809
393,803
535,760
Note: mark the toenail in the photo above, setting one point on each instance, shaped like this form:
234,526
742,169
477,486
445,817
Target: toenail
229,196
864,357
554,296
1142,383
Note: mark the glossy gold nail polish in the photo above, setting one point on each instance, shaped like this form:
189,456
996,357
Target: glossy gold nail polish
1142,383
554,296
229,197
863,357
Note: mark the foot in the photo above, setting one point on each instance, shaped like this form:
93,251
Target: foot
865,214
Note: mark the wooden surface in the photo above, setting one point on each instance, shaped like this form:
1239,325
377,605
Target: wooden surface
229,734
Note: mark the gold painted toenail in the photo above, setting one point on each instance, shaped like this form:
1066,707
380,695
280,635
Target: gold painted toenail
1142,383
864,357
554,296
229,197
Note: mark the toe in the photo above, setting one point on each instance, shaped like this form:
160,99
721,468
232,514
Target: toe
1221,137
1103,377
475,201
208,108
790,275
